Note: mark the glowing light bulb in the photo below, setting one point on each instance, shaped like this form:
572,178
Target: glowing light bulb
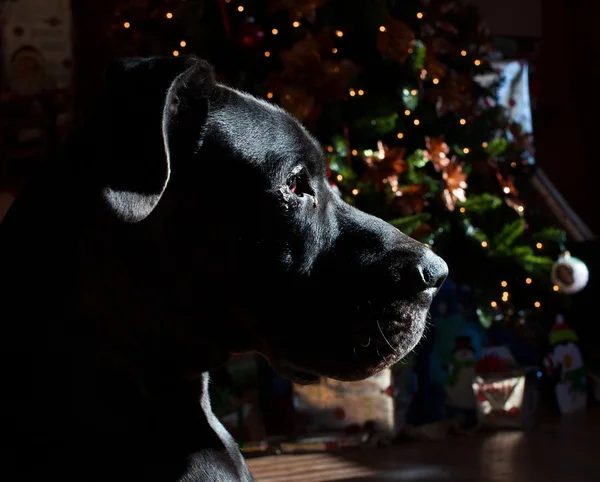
477,62
400,135
330,148
484,144
462,210
419,15
183,43
463,53
169,15
493,304
520,209
334,50
556,288
505,294
274,31
354,152
416,122
413,92
296,24
382,28
340,177
240,8
361,92
436,80
506,190
267,54
528,281
537,304
270,95
504,284
513,164
339,33
463,122
407,112
539,245
175,53
484,244
126,25
352,93
466,150
355,192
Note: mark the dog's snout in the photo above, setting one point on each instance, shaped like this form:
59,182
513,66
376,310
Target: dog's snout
431,271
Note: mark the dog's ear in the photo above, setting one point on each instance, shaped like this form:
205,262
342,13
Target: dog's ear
138,108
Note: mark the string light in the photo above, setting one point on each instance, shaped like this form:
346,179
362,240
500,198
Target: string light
504,284
462,210
183,43
169,15
413,92
267,54
520,209
296,24
340,177
539,245
407,112
355,192
240,8
463,122
493,304
329,148
555,287
400,135
484,244
274,31
419,15
463,53
270,95
416,122
436,80
484,144
361,92
352,93
506,190
354,152
537,304
334,50
513,164
505,294
382,28
126,25
477,62
175,53
339,33
466,150
528,281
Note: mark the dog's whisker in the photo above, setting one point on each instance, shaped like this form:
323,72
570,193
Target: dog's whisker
355,355
368,343
386,340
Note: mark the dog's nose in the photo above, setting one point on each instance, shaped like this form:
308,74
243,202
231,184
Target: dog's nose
430,272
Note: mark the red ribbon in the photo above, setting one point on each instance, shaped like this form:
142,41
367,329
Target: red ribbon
225,17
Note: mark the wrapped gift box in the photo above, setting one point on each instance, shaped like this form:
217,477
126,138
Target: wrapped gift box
331,405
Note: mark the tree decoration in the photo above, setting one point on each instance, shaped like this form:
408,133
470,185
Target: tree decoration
456,183
436,150
570,274
396,40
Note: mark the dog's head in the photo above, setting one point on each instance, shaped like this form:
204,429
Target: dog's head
254,236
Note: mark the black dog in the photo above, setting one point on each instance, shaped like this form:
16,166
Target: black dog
188,223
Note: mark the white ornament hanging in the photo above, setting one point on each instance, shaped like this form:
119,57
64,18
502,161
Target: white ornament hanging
570,274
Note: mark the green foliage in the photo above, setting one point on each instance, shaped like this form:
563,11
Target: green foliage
473,232
509,233
497,146
409,224
377,126
410,100
418,57
417,159
481,203
552,234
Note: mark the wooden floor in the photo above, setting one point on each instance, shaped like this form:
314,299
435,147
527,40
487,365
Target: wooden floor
558,450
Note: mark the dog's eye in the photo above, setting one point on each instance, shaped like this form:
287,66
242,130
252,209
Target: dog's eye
293,184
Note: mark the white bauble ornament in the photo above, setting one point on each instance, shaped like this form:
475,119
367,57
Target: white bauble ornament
570,274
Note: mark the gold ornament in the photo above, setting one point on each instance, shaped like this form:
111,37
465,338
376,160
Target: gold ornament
456,183
436,150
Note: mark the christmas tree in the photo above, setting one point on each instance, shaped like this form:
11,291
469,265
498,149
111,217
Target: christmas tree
391,89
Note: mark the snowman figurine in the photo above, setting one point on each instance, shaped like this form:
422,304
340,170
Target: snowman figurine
460,398
565,361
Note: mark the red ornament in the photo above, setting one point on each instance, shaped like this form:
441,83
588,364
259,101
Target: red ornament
250,35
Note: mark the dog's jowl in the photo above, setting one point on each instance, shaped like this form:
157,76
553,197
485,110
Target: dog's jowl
186,223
